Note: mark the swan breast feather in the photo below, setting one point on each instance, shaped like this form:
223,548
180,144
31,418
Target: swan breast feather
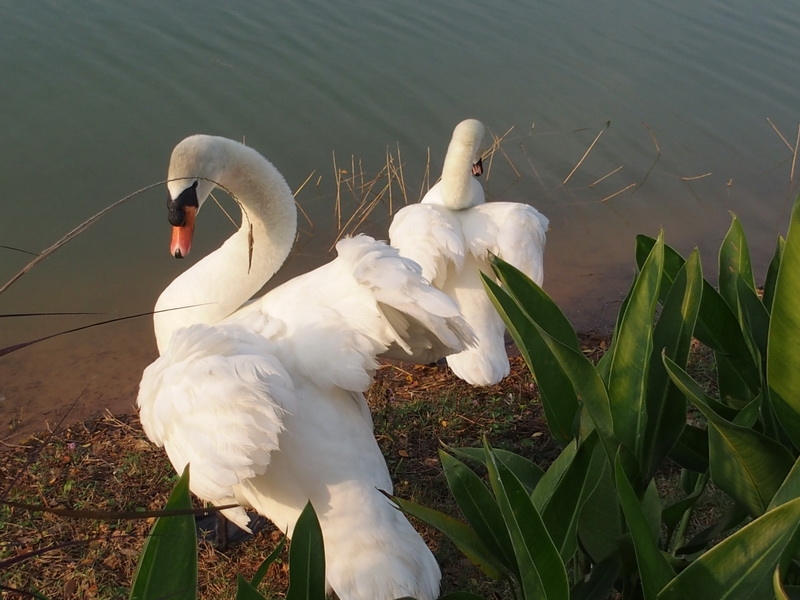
216,399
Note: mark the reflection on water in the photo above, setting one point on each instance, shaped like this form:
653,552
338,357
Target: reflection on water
95,95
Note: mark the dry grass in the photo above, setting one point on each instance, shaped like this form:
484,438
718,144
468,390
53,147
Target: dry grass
107,464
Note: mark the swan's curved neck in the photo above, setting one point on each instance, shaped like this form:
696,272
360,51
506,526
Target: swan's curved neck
460,190
220,283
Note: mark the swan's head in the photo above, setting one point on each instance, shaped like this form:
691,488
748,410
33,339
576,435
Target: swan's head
466,143
194,168
181,212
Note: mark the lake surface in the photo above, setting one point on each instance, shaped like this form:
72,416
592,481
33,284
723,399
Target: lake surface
94,95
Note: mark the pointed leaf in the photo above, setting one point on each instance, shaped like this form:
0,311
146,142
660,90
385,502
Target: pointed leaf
790,488
464,538
562,508
734,262
654,570
717,326
691,449
306,559
783,351
630,354
666,405
772,275
542,573
535,303
558,396
600,524
172,541
479,508
746,464
262,569
742,565
246,590
526,471
599,582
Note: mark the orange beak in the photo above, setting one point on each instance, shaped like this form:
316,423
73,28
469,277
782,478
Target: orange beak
182,236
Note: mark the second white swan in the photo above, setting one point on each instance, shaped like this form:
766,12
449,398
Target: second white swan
451,233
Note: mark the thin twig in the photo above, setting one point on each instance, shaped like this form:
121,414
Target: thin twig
696,177
652,137
606,176
73,234
585,154
338,206
222,208
300,208
780,135
626,188
794,155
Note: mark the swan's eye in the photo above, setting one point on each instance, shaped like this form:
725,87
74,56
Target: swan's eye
176,208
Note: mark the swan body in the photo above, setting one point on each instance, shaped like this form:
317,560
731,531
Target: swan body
265,400
451,234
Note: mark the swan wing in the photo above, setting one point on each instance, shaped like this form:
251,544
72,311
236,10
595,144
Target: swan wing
430,235
216,399
513,231
332,323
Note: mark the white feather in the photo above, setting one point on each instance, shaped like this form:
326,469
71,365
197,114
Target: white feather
265,401
451,234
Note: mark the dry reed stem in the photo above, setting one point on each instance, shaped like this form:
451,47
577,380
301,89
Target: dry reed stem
585,154
496,141
780,135
402,179
73,234
297,204
426,177
695,177
652,137
606,176
625,189
222,208
337,211
794,155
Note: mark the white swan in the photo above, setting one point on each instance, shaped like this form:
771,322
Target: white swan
450,234
265,401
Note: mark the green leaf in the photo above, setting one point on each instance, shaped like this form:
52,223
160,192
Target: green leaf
536,304
479,508
755,318
526,471
666,405
599,582
600,523
306,559
744,463
783,349
717,326
557,395
691,449
742,565
772,275
245,590
790,488
562,508
731,518
542,573
654,570
262,569
629,354
464,538
168,562
734,262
